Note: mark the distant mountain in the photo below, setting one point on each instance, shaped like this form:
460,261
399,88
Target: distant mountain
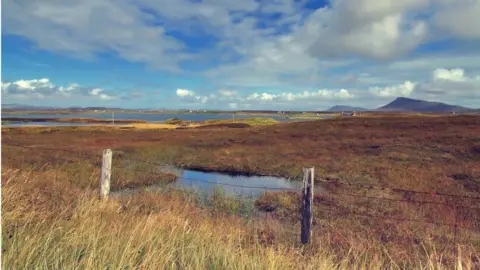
415,105
340,108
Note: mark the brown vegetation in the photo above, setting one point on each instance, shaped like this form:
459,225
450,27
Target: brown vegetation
429,154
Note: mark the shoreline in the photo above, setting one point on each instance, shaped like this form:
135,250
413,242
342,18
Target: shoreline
70,120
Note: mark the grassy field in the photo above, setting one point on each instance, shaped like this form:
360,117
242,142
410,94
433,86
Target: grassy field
53,219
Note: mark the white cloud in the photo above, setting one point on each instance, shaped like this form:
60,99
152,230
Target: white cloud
320,94
27,85
42,88
401,90
101,94
96,91
379,29
295,49
68,89
107,97
89,27
262,96
185,93
191,97
447,84
456,75
323,94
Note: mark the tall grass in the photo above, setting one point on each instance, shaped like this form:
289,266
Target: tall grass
50,224
51,217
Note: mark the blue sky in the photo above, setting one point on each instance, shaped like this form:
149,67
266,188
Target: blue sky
239,54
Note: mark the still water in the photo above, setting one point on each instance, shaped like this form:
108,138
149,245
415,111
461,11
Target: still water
46,124
231,185
147,117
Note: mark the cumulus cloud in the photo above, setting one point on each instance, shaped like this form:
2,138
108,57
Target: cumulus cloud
320,94
99,92
453,83
455,75
40,88
401,90
96,91
185,93
262,96
34,88
379,29
266,100
191,97
295,49
443,85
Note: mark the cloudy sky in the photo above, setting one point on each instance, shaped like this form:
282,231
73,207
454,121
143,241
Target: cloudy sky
239,54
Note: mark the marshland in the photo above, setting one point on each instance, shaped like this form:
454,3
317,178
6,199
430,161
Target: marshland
392,191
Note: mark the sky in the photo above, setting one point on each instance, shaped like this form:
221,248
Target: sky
239,54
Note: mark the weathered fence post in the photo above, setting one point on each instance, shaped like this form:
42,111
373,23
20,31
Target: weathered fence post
106,173
307,203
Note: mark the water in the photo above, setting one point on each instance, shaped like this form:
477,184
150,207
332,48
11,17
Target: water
206,183
231,185
148,117
47,124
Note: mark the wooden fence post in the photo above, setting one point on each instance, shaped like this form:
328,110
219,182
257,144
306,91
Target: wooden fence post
106,173
307,203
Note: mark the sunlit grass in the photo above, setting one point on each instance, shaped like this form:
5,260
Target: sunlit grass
48,223
52,218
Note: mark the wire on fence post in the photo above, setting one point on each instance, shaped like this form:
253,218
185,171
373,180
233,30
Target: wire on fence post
307,202
106,173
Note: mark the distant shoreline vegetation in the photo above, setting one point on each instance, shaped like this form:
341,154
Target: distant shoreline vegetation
8,120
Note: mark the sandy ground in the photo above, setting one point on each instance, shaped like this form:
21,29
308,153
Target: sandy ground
149,126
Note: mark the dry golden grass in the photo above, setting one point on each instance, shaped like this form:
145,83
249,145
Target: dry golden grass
147,126
52,219
50,224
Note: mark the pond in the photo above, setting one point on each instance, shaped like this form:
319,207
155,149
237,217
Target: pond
232,185
206,183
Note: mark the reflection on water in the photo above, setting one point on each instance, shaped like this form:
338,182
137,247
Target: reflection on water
246,186
207,182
